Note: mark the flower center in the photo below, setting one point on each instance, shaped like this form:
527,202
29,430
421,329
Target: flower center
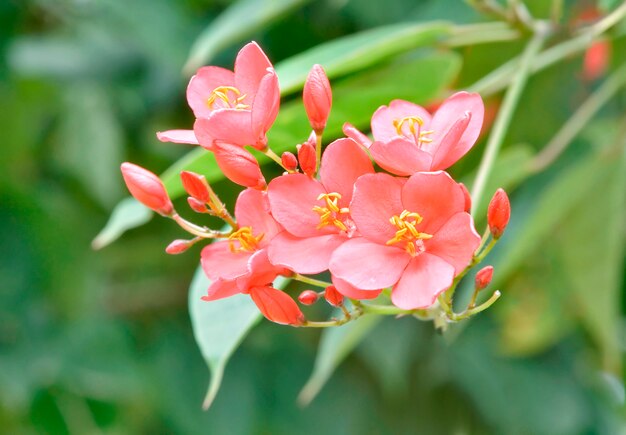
247,241
230,96
414,124
407,234
331,214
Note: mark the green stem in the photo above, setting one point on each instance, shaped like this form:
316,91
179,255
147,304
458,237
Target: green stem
472,34
312,281
464,315
579,120
272,155
505,115
318,149
196,230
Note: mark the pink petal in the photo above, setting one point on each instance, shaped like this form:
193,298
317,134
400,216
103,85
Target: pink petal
367,265
253,210
450,148
221,289
225,125
400,156
218,262
353,133
376,198
435,196
178,136
202,85
304,255
382,120
449,112
342,163
251,65
262,272
455,242
277,306
352,292
292,198
424,279
238,165
265,107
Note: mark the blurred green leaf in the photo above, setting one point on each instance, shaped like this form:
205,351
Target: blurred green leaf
361,50
241,19
219,327
90,142
355,99
129,213
335,345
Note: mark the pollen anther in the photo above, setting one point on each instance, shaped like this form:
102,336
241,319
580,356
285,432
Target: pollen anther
247,241
331,213
225,94
407,233
412,121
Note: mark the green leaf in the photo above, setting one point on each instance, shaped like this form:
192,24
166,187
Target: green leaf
129,213
355,99
335,345
358,51
219,327
241,19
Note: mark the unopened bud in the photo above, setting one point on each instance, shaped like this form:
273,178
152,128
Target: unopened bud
196,185
308,297
289,161
197,205
307,158
317,98
147,188
468,198
483,277
178,246
498,213
333,297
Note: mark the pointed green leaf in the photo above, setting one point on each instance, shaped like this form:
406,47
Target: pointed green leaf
242,19
335,345
129,213
358,51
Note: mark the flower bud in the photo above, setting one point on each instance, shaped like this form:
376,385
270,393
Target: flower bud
197,205
289,161
483,277
277,306
178,246
498,213
333,297
308,297
147,188
307,158
468,198
317,98
196,185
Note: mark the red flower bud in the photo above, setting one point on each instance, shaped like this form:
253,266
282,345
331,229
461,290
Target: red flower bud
289,161
333,297
468,198
277,306
308,297
147,188
317,98
307,158
498,213
197,205
196,185
178,246
483,277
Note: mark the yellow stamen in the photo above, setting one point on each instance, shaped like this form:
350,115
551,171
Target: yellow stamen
412,122
407,233
331,214
225,94
247,241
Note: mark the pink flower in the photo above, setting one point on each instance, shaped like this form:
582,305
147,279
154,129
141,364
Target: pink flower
317,98
315,213
407,139
416,237
234,107
229,259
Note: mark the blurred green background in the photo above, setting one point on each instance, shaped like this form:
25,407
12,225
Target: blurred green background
101,341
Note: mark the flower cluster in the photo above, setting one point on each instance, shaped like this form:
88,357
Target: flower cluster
373,216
